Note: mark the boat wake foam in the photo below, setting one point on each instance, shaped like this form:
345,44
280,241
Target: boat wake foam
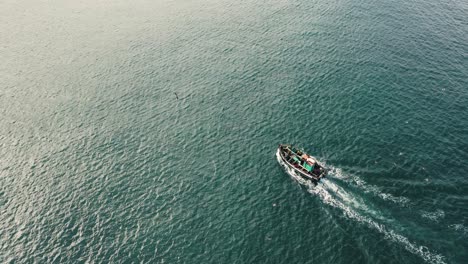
460,228
337,173
355,208
325,192
434,216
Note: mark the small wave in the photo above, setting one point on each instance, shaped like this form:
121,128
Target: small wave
434,216
460,228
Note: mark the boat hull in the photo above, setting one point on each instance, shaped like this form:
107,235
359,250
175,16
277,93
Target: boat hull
297,172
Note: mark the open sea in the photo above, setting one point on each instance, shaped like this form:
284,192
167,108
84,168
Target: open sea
146,131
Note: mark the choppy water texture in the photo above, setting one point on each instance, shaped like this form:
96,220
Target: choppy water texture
101,163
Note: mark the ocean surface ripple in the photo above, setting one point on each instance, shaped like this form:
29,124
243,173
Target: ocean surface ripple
145,132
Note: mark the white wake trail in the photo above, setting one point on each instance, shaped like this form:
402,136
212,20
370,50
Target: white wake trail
323,191
333,195
337,173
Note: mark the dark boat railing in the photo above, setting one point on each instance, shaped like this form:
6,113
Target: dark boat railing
314,177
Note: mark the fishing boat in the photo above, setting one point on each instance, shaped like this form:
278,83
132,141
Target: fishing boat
301,163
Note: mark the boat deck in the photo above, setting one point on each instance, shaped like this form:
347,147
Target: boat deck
306,165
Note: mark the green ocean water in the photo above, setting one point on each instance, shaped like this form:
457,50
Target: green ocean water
145,131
